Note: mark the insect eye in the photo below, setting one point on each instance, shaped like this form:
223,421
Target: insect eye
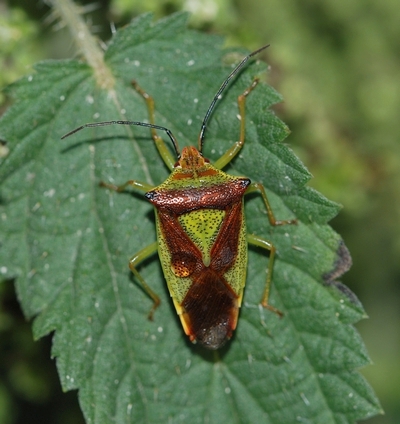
183,264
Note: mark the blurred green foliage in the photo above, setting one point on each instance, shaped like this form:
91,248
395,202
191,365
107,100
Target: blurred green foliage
19,45
337,64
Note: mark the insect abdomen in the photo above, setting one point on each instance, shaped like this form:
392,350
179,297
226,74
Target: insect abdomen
210,310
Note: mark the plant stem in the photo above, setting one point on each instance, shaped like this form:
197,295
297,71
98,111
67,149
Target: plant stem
87,44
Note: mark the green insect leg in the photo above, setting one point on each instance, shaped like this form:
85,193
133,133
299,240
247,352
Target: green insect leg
258,241
264,244
166,155
234,150
145,253
135,184
271,217
134,261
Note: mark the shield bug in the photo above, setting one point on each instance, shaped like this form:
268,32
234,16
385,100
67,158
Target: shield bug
201,230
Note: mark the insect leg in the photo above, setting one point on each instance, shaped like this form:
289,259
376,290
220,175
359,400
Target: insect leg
234,150
271,217
144,253
135,184
134,261
166,155
264,244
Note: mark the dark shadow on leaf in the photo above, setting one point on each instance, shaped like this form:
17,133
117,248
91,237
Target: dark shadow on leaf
102,139
208,354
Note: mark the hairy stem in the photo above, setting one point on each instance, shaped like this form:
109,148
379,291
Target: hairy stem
88,45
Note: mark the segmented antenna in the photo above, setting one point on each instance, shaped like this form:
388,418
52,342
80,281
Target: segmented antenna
219,92
140,124
169,132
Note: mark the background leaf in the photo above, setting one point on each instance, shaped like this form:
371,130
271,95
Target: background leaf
68,241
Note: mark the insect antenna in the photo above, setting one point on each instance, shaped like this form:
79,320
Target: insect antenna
139,124
219,92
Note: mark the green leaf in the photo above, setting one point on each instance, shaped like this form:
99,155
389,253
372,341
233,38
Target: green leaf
68,242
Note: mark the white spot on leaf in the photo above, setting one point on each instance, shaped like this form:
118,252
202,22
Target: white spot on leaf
49,193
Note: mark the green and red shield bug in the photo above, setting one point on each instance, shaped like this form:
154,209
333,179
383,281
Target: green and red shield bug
201,230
